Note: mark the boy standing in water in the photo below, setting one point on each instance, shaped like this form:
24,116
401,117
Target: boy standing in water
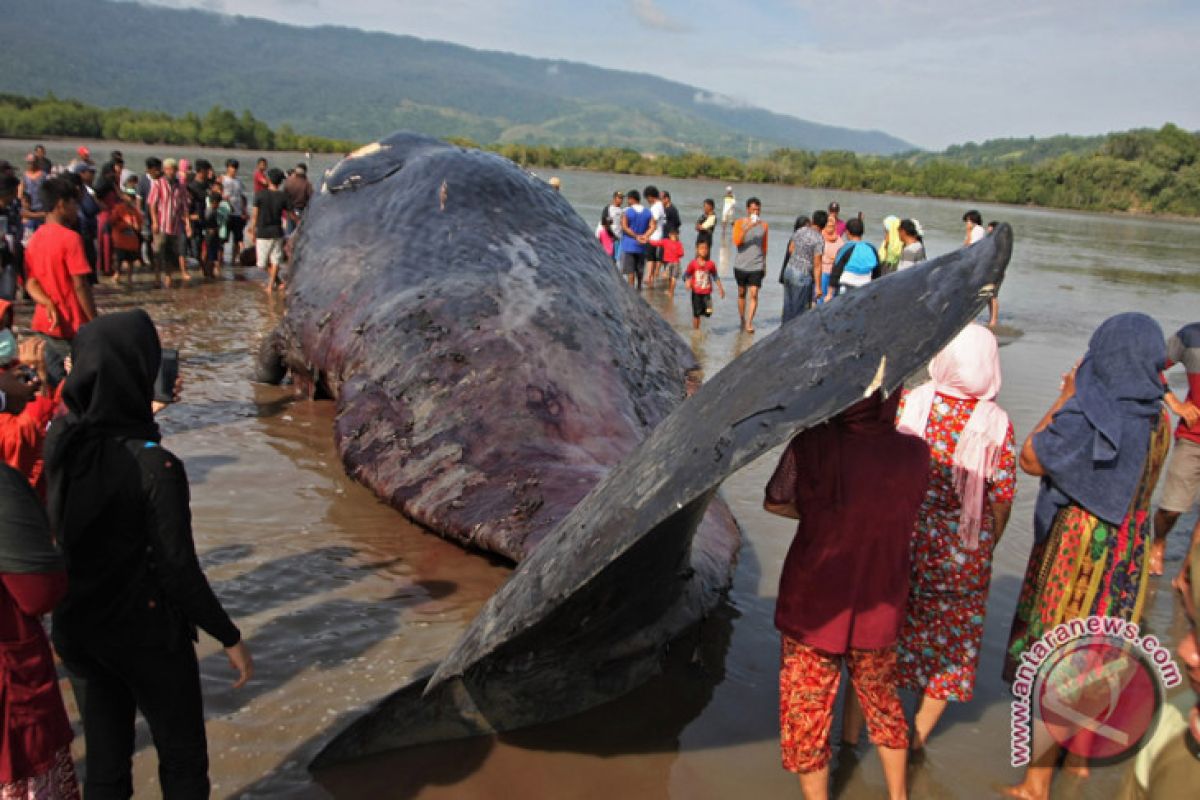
270,207
700,276
672,254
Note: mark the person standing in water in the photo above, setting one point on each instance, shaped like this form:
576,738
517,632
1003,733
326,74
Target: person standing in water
855,484
803,271
975,232
119,504
1182,486
706,224
913,252
636,225
750,264
728,209
972,482
1099,451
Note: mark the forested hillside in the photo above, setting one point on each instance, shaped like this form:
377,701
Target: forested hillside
350,84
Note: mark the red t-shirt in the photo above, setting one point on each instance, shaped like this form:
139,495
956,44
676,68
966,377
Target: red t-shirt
53,255
1184,348
700,273
261,184
672,251
125,221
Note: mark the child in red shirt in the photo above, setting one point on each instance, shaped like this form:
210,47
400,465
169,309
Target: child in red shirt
700,276
126,223
672,250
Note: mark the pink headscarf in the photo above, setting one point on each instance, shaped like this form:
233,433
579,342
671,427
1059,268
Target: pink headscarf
968,368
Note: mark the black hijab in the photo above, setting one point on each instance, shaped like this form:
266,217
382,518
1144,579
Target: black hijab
108,396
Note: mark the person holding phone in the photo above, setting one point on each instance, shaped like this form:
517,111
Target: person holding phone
119,503
750,239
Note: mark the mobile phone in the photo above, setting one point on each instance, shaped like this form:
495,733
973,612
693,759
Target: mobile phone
168,373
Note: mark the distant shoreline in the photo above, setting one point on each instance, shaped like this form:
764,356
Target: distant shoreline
101,146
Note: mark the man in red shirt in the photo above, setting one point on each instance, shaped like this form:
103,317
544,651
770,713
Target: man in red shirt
58,276
261,184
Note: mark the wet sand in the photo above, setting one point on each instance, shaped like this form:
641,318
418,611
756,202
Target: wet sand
342,600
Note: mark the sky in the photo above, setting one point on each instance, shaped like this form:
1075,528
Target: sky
933,72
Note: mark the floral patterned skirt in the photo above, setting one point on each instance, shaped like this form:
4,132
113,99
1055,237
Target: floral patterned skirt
808,685
57,783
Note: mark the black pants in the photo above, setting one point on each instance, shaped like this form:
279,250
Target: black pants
111,685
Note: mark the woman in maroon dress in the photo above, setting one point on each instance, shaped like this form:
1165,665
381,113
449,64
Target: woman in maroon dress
855,484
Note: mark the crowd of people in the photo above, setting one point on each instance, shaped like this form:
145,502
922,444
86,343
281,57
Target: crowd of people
825,254
896,591
97,527
176,213
97,524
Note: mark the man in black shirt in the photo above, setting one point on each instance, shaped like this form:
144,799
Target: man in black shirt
270,207
672,222
197,201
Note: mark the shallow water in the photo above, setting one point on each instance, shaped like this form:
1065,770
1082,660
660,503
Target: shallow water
342,600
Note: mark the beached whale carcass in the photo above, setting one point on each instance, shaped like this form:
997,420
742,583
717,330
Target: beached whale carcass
399,305
489,366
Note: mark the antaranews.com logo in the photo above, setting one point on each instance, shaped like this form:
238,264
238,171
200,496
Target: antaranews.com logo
1095,685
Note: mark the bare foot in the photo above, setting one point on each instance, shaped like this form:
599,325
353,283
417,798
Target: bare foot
1075,766
1157,548
165,282
185,275
1022,792
749,329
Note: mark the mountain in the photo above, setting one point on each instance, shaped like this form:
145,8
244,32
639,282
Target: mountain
352,84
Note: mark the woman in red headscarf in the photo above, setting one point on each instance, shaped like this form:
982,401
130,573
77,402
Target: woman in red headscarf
971,486
855,484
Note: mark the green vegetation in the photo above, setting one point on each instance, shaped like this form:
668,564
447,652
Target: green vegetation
23,117
1144,171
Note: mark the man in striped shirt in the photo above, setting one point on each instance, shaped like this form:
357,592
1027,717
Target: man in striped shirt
168,207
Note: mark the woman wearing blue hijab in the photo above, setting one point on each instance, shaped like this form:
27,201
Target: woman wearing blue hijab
1098,451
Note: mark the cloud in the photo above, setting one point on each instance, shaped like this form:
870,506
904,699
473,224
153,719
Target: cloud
719,100
649,14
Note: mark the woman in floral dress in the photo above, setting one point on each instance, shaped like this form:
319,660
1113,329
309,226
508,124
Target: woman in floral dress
1099,451
973,464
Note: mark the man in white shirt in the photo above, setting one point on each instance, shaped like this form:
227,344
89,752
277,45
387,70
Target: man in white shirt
654,246
975,233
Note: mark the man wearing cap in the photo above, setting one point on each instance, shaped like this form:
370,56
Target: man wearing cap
169,223
835,211
1168,764
84,156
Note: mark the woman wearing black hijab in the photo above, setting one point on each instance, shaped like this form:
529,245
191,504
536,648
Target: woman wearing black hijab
136,595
